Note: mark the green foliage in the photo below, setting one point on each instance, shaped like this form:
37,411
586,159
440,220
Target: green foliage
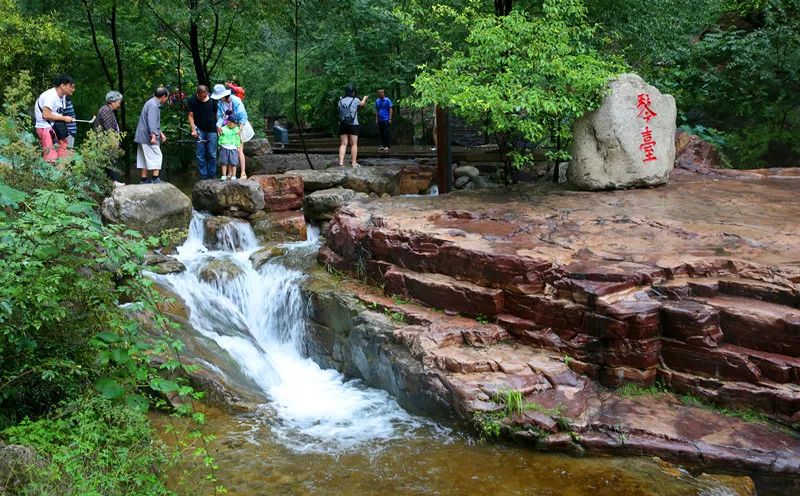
93,447
732,65
482,319
64,338
489,425
513,401
631,390
396,317
525,76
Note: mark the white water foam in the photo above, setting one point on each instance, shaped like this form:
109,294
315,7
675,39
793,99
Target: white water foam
259,318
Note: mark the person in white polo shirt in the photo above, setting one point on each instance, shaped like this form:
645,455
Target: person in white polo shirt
50,122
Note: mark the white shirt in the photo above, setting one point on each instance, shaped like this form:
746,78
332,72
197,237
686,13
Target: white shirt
51,100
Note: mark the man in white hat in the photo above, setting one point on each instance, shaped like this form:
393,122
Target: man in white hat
232,105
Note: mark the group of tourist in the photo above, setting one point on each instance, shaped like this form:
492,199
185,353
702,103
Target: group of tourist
216,120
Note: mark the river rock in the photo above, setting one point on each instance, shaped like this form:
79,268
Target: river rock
148,208
219,227
466,170
17,464
163,264
279,226
281,191
236,198
264,255
320,205
257,147
219,270
610,145
461,181
315,180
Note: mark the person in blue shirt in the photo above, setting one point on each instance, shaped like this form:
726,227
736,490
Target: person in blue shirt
383,119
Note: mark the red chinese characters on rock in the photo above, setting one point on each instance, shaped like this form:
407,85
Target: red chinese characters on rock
648,144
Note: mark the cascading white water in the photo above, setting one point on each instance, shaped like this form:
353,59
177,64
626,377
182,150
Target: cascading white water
258,317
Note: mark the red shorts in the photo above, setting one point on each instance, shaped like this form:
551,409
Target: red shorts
51,152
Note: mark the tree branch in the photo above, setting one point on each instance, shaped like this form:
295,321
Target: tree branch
221,48
166,25
100,56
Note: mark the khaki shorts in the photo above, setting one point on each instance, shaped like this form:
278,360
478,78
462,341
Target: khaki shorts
148,157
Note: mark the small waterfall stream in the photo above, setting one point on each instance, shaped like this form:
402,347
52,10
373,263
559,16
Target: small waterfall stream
259,318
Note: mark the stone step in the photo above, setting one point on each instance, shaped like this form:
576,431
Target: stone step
758,325
779,400
444,292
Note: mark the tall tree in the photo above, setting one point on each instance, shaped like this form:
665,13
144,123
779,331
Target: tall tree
203,27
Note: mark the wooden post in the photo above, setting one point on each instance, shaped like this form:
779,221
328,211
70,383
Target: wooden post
444,158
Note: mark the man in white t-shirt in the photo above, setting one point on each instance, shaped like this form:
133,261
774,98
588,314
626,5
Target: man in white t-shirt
48,110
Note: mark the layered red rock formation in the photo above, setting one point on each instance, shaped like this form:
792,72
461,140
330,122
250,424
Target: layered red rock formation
695,282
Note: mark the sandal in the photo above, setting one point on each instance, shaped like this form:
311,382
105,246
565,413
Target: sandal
356,165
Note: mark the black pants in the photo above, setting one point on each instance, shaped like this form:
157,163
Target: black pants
386,133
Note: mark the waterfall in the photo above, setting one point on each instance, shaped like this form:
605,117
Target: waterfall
259,318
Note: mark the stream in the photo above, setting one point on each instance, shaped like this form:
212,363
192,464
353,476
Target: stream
321,433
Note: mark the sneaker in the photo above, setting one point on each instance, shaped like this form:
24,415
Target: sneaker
233,178
156,180
223,178
433,148
356,165
145,180
243,177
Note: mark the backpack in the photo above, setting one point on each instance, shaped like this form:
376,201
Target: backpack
347,112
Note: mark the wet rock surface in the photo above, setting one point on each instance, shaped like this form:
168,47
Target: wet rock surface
279,226
695,284
456,367
163,264
233,198
148,208
281,192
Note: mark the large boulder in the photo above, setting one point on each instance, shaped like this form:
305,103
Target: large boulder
281,191
17,465
279,226
320,205
235,198
257,147
315,180
218,271
148,208
626,143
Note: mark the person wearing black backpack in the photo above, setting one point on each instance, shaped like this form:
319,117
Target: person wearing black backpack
348,124
51,124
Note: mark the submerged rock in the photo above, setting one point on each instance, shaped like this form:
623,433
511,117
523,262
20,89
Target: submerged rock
235,198
220,232
218,271
264,255
626,143
148,208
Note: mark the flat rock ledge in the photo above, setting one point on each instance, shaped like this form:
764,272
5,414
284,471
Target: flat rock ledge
693,285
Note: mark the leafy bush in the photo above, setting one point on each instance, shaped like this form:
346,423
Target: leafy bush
525,77
93,447
64,337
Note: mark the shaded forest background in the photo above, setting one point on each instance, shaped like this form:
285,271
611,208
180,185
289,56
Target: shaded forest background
733,65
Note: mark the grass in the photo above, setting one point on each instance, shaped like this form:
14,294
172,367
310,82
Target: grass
396,317
746,414
400,301
482,318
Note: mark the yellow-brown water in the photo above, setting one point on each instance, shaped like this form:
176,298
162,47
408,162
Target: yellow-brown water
252,462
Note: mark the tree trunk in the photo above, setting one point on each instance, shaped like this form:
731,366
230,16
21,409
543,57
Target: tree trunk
197,57
503,7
